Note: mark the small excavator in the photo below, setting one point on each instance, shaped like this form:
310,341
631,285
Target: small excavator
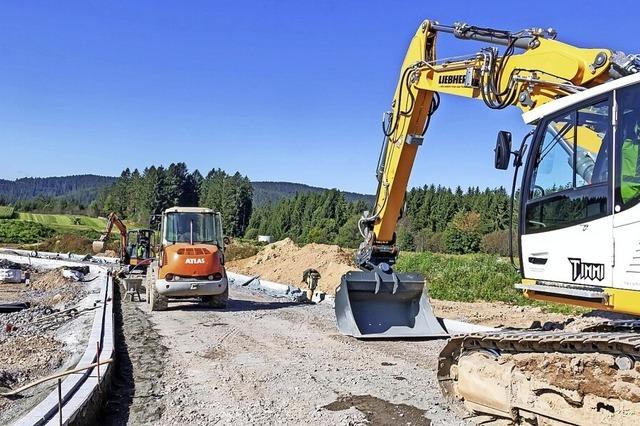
135,244
578,222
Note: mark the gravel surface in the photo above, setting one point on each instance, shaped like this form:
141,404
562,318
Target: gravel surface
43,339
269,361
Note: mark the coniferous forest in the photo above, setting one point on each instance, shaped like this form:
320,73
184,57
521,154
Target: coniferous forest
436,218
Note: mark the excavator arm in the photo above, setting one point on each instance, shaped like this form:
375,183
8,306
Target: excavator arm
545,70
533,69
113,219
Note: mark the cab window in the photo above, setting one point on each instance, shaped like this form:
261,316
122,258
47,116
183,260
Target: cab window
570,169
627,146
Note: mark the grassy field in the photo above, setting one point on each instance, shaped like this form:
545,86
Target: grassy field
6,212
54,232
64,220
82,226
471,278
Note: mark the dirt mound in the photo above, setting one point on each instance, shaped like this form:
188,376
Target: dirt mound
285,262
51,280
594,374
67,243
19,362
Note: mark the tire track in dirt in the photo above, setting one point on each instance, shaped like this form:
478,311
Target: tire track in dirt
266,361
137,389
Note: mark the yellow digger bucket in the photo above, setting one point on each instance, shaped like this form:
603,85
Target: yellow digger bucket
377,305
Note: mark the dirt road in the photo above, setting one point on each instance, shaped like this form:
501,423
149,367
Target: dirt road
270,361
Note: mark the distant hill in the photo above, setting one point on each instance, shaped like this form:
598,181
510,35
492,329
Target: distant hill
269,192
83,188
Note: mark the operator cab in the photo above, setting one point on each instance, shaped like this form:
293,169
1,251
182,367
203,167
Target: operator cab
579,195
192,225
140,245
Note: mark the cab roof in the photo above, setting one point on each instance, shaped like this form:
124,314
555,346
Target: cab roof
188,210
531,117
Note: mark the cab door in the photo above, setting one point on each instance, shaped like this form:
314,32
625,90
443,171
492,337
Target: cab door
566,223
626,220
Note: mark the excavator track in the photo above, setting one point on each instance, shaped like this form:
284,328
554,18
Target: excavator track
546,377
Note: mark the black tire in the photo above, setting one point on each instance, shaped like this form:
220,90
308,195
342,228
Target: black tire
158,302
148,282
217,301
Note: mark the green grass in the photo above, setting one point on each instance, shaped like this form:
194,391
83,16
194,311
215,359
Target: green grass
6,212
472,278
64,220
24,232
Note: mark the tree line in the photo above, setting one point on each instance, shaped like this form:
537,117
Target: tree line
455,221
324,217
142,196
435,219
80,189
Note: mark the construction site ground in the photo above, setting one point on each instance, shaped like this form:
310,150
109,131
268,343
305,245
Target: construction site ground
35,344
267,360
262,360
285,262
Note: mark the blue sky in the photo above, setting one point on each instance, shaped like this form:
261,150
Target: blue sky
280,90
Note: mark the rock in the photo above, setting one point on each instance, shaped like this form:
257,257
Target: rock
318,296
577,365
73,274
299,296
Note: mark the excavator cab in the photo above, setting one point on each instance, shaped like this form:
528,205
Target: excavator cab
139,245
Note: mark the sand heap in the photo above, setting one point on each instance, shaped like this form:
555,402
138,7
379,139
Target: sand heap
285,262
51,280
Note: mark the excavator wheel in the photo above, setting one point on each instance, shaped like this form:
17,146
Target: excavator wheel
217,301
158,302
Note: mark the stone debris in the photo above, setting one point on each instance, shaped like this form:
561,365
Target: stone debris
35,342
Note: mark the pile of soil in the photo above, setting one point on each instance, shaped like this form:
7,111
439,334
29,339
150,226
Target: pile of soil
67,243
285,262
108,253
24,358
51,280
48,288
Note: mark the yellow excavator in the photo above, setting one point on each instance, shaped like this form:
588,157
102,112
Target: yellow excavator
578,222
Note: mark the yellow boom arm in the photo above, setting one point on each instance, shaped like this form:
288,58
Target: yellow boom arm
545,70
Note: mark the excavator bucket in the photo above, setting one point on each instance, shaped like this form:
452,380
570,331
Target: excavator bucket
377,305
98,246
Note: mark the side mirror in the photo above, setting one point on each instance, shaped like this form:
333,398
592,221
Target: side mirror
502,150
